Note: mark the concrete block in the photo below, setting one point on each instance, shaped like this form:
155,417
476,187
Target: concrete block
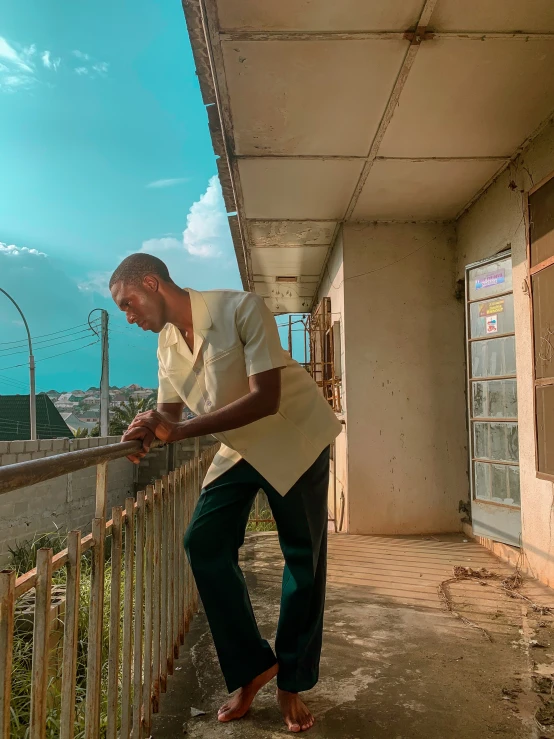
60,445
23,457
8,459
45,445
16,447
4,447
80,444
38,455
31,446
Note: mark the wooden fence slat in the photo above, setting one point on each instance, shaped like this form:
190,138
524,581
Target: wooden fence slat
115,617
71,635
179,518
127,656
139,618
164,492
7,604
177,547
170,571
158,563
148,615
41,637
96,618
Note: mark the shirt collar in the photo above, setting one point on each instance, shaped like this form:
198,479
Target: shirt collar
201,318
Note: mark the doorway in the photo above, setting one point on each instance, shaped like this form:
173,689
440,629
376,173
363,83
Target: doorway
492,400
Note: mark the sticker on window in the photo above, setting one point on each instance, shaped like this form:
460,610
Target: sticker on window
492,308
492,324
490,279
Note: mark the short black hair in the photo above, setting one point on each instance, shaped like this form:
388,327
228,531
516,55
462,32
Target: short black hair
133,269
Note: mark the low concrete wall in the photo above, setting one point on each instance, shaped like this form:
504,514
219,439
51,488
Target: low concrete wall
67,502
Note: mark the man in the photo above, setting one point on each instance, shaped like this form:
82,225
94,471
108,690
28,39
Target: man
219,352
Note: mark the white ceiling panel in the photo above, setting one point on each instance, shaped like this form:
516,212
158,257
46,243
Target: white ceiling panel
286,304
290,233
319,15
403,190
289,261
472,98
297,189
535,16
317,97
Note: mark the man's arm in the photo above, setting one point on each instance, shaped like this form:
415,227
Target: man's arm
262,400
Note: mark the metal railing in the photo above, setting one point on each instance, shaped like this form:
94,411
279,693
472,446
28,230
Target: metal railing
152,600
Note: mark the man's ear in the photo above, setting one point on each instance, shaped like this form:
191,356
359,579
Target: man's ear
151,283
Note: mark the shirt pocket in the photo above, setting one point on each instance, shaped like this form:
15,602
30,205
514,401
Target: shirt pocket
225,377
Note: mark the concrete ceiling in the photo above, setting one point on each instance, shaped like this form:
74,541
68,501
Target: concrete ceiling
323,112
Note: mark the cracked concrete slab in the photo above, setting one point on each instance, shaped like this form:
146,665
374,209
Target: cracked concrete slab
390,669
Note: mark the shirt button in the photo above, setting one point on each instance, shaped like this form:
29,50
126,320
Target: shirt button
208,404
197,371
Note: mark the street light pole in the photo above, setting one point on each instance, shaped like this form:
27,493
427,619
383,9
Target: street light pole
32,400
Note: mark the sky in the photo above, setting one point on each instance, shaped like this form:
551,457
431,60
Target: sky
104,151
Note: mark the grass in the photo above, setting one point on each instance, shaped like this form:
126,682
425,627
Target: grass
24,559
264,511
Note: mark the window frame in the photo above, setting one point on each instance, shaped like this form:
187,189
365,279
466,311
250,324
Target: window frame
531,272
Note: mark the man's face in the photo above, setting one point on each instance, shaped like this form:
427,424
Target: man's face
142,304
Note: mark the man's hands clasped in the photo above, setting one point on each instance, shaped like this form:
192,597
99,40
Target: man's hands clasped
149,426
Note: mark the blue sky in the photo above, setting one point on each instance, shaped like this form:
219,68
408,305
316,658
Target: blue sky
105,151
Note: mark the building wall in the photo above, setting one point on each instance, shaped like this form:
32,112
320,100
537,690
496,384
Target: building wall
332,286
494,223
67,502
404,352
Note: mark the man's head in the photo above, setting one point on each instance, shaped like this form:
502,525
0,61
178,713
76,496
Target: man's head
139,287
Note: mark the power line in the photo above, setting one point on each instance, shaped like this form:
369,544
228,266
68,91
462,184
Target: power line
38,338
24,364
47,346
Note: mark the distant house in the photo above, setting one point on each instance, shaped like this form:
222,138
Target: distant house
15,421
75,423
91,416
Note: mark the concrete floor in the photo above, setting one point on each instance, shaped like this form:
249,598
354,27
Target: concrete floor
396,664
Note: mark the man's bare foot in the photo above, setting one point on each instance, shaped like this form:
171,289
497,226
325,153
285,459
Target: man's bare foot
237,706
295,712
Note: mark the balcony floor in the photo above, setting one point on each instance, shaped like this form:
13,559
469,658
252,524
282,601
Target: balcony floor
396,664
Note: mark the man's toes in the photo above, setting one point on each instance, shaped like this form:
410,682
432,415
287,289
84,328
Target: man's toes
294,727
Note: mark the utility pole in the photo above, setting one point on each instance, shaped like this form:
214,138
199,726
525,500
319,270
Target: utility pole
290,335
32,393
105,379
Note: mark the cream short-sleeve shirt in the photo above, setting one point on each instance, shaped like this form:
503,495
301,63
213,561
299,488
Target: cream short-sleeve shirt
235,336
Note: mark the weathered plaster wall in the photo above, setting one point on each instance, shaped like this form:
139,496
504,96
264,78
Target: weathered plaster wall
407,450
495,222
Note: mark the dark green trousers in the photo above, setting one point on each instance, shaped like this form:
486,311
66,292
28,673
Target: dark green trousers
212,542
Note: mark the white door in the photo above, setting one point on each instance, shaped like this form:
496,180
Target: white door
492,401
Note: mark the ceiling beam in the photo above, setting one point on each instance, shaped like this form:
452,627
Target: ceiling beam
401,79
340,158
242,35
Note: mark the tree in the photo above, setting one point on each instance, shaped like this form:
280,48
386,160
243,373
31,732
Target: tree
80,433
124,414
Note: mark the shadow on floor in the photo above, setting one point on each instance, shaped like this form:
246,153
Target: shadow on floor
396,664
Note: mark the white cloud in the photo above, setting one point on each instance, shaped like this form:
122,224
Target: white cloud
206,236
20,60
168,183
50,63
207,225
81,70
101,67
81,55
16,67
10,250
97,282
